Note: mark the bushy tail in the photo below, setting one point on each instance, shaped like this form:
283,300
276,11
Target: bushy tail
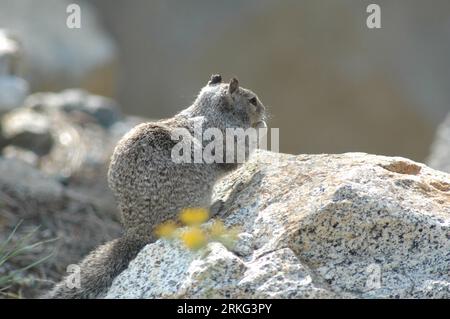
98,269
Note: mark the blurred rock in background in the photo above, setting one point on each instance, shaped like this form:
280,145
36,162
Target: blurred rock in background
53,169
71,134
13,89
332,84
57,57
54,155
440,150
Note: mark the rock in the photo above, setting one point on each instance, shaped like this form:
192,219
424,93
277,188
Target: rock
13,89
27,183
102,110
70,128
105,111
313,226
28,130
9,53
70,136
439,157
57,57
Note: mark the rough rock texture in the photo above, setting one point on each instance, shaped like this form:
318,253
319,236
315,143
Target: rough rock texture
439,157
313,226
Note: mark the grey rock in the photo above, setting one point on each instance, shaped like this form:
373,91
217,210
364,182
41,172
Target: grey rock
9,53
103,110
13,89
313,226
70,128
22,181
70,136
28,130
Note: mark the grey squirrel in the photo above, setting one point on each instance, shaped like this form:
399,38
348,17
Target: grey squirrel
150,188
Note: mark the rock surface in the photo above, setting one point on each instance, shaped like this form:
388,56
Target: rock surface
313,226
439,157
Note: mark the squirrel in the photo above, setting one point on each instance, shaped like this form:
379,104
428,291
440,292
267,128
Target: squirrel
151,188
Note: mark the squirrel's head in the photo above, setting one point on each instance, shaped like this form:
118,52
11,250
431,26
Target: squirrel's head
236,106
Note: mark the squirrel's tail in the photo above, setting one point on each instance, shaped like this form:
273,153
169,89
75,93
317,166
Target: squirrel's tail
98,270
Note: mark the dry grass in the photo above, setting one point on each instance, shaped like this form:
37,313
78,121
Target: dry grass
51,236
13,249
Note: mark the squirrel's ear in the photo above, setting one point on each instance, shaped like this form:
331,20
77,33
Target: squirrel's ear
215,78
233,86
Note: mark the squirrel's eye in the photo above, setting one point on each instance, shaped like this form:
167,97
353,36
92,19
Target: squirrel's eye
253,100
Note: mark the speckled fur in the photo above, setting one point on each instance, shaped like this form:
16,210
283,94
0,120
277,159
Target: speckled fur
150,188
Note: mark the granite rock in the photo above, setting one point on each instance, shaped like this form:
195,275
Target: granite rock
351,225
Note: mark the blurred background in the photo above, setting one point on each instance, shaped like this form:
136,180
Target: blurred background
332,84
67,95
